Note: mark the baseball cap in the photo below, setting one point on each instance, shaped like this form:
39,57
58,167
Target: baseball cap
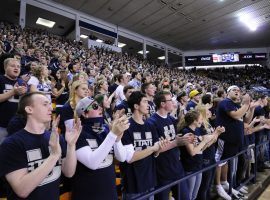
180,95
189,84
232,87
83,104
193,93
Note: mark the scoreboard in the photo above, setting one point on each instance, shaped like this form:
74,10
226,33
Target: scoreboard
225,58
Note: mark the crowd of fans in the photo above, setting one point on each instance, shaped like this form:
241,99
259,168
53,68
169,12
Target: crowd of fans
112,105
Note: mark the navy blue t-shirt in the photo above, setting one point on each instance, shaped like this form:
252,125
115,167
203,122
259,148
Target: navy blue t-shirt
191,105
66,113
152,108
208,153
8,107
169,166
63,97
100,183
27,150
139,176
16,123
191,163
234,128
259,111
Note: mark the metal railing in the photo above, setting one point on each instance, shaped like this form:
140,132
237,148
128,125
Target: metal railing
251,178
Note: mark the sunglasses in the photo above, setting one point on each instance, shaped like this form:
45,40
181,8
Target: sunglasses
93,106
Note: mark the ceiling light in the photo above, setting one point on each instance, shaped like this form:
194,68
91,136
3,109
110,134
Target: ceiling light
161,58
121,44
141,52
45,22
83,36
249,22
99,40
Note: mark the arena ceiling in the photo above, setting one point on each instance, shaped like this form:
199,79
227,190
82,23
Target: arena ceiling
186,24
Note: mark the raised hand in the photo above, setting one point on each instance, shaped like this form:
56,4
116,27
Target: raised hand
120,125
163,143
72,133
185,139
119,113
220,129
54,139
246,99
20,90
254,104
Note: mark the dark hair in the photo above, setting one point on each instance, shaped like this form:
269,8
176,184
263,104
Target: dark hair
206,99
120,77
220,92
160,97
134,74
180,95
26,100
145,86
191,116
127,87
135,98
70,67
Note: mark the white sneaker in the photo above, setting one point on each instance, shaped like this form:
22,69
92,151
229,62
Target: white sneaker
225,186
243,190
221,192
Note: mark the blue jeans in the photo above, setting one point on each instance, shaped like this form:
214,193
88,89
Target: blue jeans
183,195
194,184
207,179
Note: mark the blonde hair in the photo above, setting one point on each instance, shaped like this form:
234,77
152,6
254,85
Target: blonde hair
37,72
72,94
202,109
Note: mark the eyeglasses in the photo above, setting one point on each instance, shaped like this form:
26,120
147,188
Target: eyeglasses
93,106
167,100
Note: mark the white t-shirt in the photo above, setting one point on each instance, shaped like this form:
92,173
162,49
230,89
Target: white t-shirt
41,87
119,94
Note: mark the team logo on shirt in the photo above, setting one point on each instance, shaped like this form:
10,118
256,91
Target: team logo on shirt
13,99
139,143
108,160
129,113
98,128
152,109
169,132
34,158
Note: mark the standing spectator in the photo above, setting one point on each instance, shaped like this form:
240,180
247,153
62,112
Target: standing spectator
78,91
195,98
95,149
139,172
230,115
128,89
149,90
11,88
119,92
61,90
136,80
192,154
32,159
209,153
169,166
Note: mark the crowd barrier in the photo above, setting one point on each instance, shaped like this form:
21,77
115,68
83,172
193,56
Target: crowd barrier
252,177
